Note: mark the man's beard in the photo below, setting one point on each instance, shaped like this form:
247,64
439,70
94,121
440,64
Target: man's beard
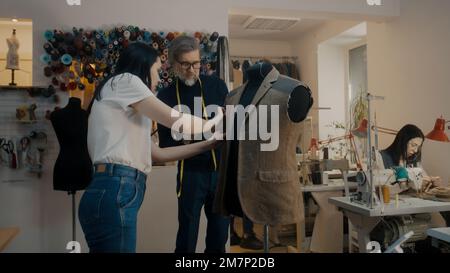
188,82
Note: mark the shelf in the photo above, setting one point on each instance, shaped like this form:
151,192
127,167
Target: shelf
19,88
28,122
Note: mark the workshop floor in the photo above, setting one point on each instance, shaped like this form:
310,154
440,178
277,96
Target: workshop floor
287,239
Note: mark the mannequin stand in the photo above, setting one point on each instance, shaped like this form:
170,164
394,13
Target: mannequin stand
73,193
266,238
12,83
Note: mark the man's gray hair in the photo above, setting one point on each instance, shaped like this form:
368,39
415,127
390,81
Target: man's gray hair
181,45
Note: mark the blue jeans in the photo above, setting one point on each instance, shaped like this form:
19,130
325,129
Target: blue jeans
198,190
109,207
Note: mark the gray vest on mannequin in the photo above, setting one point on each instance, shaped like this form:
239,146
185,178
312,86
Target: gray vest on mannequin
267,182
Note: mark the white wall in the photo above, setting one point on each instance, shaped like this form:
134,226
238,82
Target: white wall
242,47
43,214
331,73
306,48
409,64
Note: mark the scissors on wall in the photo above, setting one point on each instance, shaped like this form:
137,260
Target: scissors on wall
8,147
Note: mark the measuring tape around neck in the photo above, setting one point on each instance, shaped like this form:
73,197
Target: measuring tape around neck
205,115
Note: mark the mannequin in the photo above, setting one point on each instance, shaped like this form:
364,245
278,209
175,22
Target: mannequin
255,76
12,58
264,185
73,167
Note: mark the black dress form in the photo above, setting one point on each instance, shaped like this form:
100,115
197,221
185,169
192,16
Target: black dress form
73,168
299,103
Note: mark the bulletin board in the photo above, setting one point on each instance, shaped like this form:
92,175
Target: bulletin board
28,143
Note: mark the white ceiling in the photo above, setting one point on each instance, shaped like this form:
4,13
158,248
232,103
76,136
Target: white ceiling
21,22
237,31
348,37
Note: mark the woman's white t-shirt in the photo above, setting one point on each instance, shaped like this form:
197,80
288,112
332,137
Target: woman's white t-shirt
117,133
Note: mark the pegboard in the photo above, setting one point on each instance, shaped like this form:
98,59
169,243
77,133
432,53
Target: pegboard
12,129
80,56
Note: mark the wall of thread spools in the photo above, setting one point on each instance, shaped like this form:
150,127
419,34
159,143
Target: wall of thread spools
80,59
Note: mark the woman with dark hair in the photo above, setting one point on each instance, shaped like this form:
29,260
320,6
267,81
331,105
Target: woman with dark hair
121,149
406,151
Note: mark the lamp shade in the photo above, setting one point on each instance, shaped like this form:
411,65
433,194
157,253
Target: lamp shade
361,131
438,133
313,144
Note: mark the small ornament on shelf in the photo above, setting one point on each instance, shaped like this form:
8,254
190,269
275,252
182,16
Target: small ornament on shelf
26,113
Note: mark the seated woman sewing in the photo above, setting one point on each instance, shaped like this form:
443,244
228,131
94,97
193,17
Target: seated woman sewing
406,151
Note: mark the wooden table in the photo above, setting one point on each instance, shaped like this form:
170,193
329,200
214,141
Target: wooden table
6,236
328,230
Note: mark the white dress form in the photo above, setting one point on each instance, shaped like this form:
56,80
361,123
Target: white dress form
12,58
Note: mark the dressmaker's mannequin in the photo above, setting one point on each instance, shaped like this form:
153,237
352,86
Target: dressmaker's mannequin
12,58
264,185
73,168
246,168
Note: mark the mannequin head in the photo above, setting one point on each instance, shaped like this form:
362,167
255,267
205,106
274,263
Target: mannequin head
407,145
74,101
258,71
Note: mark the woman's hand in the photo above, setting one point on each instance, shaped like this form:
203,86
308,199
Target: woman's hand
213,143
183,123
162,155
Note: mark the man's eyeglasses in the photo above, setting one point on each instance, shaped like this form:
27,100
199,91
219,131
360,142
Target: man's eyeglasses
187,65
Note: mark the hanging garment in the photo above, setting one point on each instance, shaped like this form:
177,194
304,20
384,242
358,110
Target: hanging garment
245,66
223,60
295,73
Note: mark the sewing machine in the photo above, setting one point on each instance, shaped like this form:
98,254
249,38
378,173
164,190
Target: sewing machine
407,178
318,172
400,217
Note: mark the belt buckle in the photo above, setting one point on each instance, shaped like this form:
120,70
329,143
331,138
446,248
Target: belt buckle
101,168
